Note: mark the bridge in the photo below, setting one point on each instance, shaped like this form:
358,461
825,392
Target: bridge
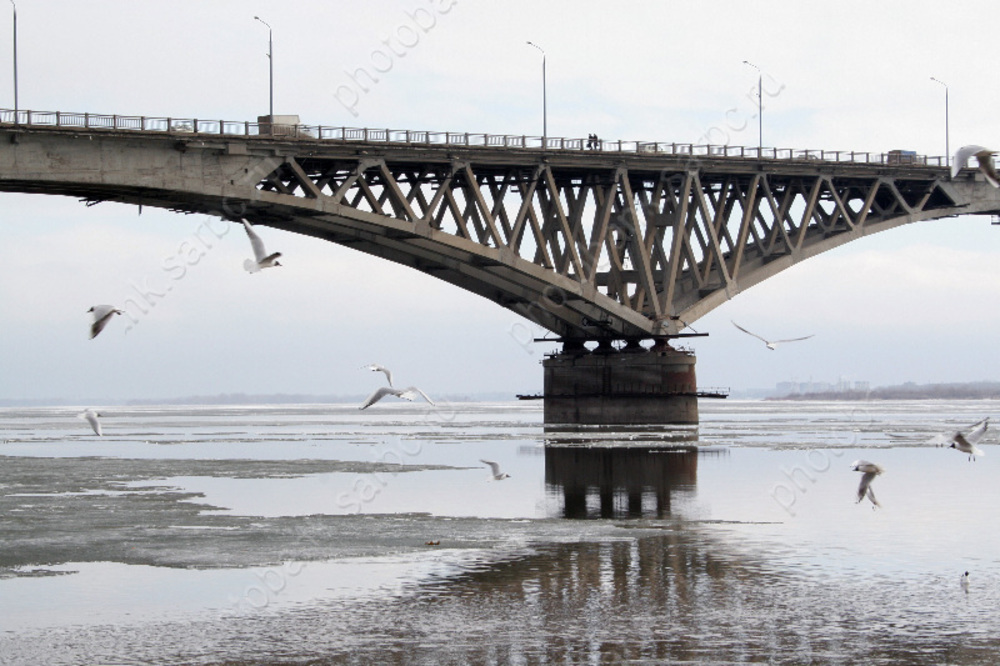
614,241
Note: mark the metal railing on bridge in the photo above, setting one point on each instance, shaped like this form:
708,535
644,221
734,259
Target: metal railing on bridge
194,126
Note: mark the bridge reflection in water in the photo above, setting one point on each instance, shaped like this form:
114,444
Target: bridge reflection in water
625,478
668,591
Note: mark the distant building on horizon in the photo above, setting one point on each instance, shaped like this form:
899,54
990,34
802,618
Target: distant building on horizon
801,388
783,389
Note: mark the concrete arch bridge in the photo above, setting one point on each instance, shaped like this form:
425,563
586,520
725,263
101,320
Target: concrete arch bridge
619,241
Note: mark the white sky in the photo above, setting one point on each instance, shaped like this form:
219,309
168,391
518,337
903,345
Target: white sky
918,303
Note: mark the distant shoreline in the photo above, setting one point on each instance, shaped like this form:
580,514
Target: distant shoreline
243,399
908,391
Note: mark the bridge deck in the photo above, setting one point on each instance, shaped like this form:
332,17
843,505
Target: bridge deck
499,149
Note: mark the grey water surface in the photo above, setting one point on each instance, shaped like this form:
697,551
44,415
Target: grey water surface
319,534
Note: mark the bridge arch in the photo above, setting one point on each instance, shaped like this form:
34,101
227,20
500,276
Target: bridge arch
626,242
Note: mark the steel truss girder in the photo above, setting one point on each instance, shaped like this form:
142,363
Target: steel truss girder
609,252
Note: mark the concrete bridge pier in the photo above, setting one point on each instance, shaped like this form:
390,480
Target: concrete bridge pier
623,385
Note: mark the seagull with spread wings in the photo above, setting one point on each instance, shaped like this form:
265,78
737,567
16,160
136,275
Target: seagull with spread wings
985,158
102,315
261,258
771,344
90,416
375,367
410,393
869,471
495,470
964,441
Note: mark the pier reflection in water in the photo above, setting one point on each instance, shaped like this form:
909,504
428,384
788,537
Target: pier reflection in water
591,477
669,589
618,482
684,595
676,596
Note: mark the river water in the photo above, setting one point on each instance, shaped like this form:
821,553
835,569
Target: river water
322,534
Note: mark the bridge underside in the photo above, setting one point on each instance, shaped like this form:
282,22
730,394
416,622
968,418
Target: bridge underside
588,245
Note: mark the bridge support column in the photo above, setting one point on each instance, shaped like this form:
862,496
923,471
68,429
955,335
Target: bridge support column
634,386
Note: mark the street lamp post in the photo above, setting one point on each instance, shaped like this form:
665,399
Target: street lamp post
760,108
545,110
947,146
270,58
15,59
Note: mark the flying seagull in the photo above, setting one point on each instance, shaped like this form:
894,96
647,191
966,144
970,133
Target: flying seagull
771,344
410,393
261,258
965,441
495,469
91,417
985,158
375,367
102,315
868,471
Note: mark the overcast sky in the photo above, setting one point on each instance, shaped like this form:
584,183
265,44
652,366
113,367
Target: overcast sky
918,303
